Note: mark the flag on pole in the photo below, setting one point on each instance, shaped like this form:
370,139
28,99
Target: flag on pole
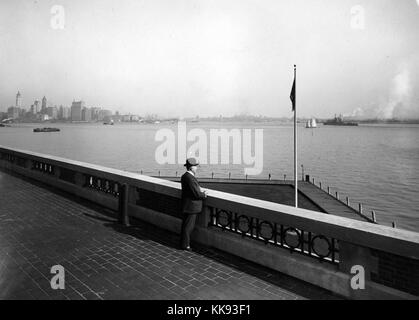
292,96
294,100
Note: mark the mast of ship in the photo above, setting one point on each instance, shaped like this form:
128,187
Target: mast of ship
293,98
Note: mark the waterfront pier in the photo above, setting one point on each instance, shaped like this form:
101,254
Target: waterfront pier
310,196
56,211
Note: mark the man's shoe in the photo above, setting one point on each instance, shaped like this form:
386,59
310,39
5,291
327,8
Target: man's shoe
188,248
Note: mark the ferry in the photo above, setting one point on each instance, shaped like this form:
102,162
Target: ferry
46,130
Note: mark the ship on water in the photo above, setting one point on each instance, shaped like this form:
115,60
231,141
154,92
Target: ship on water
338,121
46,130
311,123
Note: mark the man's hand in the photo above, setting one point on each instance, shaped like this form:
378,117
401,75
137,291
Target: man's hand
205,193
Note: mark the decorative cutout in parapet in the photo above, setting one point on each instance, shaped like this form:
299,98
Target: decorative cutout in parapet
19,161
102,185
43,167
290,238
7,157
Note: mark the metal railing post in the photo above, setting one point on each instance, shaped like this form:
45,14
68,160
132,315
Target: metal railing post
302,169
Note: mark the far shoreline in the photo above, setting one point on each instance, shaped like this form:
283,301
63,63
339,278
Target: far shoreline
214,120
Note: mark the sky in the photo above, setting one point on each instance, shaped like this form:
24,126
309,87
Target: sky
180,58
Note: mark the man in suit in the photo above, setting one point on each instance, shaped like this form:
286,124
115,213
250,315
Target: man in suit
192,197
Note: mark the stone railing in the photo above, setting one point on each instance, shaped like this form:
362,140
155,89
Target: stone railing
328,251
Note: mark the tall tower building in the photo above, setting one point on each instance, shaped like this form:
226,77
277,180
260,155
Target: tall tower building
76,110
44,105
18,100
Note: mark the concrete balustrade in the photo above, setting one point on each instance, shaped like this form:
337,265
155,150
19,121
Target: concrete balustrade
389,256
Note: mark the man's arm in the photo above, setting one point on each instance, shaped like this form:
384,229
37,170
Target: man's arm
195,189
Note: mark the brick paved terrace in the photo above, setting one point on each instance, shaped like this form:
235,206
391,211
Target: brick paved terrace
40,228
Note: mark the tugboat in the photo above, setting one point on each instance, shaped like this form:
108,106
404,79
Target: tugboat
46,130
338,121
311,123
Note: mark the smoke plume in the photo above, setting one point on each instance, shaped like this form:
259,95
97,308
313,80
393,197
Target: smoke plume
399,103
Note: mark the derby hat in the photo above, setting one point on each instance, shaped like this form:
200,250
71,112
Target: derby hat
191,162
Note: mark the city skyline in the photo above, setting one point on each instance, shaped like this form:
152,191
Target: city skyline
28,104
185,58
20,102
47,111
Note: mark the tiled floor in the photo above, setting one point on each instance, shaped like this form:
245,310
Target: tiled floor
40,228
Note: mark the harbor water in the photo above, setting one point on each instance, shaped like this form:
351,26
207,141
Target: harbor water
376,165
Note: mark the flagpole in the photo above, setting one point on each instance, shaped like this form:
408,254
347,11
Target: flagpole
295,138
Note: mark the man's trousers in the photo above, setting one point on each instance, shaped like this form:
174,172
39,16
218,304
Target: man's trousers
188,224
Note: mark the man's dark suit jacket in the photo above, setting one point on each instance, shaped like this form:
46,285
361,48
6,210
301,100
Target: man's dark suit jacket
192,195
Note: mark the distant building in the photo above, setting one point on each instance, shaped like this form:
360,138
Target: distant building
18,100
64,113
76,110
44,105
104,115
22,112
95,113
86,114
60,112
52,112
13,112
116,118
126,118
37,107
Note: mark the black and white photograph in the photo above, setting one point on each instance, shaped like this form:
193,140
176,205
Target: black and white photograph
209,154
